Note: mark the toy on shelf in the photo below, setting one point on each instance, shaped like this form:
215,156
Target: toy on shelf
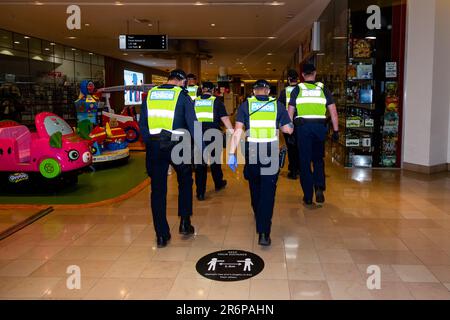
53,154
108,142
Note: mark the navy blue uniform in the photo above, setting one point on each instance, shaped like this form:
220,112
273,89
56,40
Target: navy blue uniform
201,171
262,187
291,143
311,138
158,162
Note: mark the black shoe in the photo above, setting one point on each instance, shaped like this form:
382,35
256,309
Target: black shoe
222,185
307,202
264,240
320,197
292,176
161,241
186,227
201,197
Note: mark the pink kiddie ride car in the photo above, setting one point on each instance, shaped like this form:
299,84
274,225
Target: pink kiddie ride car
53,152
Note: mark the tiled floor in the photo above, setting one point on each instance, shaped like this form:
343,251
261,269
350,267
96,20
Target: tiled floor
397,221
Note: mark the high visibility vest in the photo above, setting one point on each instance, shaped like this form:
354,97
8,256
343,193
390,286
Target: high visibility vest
204,109
311,101
289,90
192,91
263,123
161,104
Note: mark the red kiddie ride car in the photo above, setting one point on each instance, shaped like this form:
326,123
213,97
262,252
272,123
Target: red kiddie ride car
53,152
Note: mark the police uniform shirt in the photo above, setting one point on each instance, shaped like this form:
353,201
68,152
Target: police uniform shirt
296,92
219,112
184,117
243,114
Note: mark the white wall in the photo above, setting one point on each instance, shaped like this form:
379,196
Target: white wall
427,101
419,81
441,86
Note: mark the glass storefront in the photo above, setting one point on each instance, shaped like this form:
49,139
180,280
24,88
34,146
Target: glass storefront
39,75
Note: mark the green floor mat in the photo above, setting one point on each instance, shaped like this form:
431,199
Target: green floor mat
92,187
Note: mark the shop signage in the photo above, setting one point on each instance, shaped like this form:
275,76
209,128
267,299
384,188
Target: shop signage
391,69
351,142
230,265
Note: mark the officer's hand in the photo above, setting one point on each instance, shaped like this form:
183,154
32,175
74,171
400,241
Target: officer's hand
335,136
232,162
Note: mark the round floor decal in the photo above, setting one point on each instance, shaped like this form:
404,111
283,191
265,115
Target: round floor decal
230,265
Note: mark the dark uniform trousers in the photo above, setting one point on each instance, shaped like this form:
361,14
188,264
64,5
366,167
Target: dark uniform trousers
158,162
201,174
263,189
311,147
292,147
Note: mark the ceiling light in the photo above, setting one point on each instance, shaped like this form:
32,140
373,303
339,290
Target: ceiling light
26,37
47,49
125,54
271,38
150,25
198,3
71,38
38,3
87,24
118,3
213,24
53,44
17,42
276,3
269,62
223,38
90,53
270,54
371,38
73,49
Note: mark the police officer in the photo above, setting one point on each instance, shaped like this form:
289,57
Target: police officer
210,112
285,98
311,101
192,87
167,110
261,116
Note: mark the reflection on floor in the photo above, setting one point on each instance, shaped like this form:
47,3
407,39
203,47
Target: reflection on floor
397,221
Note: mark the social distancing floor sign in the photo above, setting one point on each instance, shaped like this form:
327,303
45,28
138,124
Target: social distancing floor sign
230,265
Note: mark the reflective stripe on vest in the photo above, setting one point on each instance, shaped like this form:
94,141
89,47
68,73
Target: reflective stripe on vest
288,95
192,91
263,123
204,109
311,101
161,104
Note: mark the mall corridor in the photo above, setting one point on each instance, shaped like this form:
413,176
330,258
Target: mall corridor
397,220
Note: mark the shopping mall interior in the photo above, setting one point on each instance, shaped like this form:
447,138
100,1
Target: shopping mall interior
78,197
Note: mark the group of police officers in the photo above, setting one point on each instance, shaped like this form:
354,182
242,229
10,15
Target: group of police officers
171,110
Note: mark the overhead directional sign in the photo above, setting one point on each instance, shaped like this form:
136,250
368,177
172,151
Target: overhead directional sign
143,42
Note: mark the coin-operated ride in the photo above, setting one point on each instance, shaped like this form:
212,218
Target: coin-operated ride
54,155
108,143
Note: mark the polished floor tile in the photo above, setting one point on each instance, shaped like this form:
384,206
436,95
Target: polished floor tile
309,290
394,220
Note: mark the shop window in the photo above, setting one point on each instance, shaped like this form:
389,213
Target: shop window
20,43
47,48
58,50
35,45
68,53
6,39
